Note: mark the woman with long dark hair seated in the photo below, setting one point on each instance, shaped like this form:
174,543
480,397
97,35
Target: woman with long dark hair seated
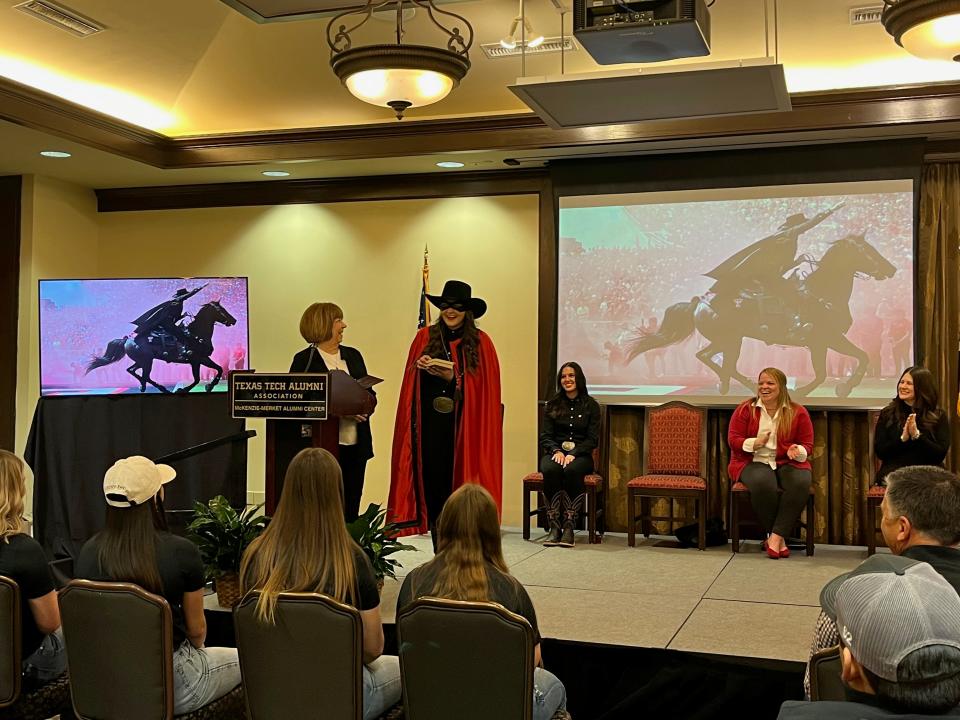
469,565
306,548
23,561
771,439
912,429
130,549
569,433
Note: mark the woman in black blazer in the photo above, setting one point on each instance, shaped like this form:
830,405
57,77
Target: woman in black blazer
322,326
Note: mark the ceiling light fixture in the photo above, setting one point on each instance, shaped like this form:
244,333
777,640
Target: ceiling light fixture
512,39
398,75
928,29
55,153
275,173
449,164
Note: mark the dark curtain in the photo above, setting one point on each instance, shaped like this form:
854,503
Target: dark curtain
74,440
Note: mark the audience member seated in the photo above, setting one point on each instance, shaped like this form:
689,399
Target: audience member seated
130,549
912,429
469,565
306,548
23,561
569,433
920,520
899,622
770,439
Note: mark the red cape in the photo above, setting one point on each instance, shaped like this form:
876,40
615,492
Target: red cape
478,454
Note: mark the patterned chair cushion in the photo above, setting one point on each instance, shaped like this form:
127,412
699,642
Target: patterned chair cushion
394,713
674,441
876,492
533,478
668,482
593,479
229,707
42,702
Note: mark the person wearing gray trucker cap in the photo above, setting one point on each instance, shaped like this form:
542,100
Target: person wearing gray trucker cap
899,623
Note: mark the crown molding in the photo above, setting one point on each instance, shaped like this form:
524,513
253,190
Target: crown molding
924,109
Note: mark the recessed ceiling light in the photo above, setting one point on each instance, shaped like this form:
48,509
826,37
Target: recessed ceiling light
275,173
55,153
450,164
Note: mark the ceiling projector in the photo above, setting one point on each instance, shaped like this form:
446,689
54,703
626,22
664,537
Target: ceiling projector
619,31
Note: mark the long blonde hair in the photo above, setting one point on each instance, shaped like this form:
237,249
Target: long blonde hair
13,489
468,539
784,403
306,546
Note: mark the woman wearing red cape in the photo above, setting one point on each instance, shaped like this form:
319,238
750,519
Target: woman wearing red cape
449,427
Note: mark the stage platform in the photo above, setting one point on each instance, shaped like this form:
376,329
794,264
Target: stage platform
742,605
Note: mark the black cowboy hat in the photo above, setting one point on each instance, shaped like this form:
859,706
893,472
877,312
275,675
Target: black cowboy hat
183,293
456,293
793,221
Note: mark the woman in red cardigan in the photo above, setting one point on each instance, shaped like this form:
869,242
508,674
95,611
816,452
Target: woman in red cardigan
770,439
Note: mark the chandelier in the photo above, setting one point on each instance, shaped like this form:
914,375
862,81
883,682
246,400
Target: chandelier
928,29
399,75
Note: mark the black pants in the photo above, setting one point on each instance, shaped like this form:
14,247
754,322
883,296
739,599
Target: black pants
777,512
353,466
569,478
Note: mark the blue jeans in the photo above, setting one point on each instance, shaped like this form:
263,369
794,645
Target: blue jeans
549,695
48,661
201,675
381,686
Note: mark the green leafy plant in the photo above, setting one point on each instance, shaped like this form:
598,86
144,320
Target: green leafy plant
377,538
222,534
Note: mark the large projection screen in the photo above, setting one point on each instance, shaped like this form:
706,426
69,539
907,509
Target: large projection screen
687,295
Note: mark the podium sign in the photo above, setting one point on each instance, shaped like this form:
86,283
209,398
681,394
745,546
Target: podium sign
279,396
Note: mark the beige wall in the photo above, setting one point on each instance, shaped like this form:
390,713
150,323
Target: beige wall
364,256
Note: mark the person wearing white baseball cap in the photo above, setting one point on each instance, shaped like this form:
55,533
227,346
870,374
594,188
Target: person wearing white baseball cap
899,623
130,549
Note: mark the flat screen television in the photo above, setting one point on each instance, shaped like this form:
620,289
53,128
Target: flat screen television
132,335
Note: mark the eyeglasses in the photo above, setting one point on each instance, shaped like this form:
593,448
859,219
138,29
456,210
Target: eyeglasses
459,307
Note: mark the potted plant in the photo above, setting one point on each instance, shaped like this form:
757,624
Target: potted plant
222,534
377,538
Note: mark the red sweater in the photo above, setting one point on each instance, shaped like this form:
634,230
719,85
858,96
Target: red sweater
745,423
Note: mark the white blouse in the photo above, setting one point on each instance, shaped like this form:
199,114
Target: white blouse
348,426
767,453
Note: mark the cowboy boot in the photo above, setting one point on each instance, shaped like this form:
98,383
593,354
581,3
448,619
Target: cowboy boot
570,514
554,510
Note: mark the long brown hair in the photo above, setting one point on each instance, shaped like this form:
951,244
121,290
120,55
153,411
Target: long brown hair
306,546
127,546
468,540
470,342
926,401
784,404
13,488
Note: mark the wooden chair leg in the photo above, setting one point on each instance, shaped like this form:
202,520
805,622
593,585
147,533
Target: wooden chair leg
631,519
645,512
601,514
735,521
700,507
811,525
592,514
526,513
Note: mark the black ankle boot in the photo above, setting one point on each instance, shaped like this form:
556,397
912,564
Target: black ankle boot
566,538
554,511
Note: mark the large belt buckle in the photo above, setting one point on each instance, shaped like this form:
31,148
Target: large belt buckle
568,445
443,404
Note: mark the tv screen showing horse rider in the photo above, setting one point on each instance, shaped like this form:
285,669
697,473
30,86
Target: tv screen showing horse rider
691,293
134,335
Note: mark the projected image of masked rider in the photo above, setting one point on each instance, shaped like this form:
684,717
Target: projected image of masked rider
163,319
759,269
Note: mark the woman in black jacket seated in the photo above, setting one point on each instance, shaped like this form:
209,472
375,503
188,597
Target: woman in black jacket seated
322,326
569,433
912,429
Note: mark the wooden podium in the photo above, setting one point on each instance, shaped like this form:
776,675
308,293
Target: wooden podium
285,438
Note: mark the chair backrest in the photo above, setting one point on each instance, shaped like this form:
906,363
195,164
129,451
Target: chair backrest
308,661
10,629
119,642
675,440
825,682
469,660
872,417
